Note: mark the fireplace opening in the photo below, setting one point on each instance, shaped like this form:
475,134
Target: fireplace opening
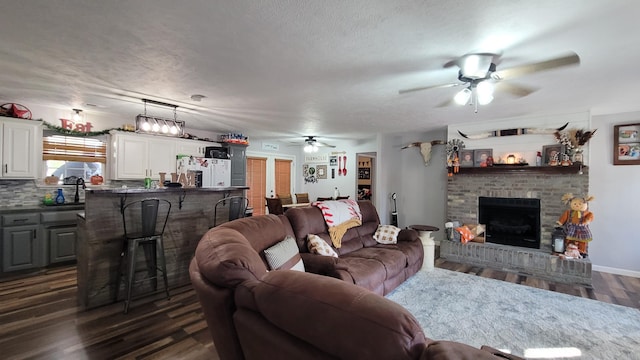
511,221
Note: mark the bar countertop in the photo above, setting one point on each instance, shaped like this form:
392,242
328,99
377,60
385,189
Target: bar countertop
101,232
140,190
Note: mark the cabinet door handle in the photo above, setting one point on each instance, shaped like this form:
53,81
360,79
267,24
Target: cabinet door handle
6,168
19,220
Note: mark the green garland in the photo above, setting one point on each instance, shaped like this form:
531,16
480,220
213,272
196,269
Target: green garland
70,132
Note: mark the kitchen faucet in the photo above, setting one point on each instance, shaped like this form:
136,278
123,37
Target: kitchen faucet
79,182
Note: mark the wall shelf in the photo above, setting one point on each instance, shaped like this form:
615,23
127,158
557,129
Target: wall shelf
516,169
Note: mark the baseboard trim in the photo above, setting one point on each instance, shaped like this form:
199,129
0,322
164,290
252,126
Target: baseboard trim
616,271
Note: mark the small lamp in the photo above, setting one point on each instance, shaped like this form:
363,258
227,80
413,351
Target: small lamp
511,159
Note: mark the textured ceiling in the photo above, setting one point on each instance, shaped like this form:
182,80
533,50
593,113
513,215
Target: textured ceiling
330,68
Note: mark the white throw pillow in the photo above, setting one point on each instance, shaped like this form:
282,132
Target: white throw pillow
386,234
284,255
316,245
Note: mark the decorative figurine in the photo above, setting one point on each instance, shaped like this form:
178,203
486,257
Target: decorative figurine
576,222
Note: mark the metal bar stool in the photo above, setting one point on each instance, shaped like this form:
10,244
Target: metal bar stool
144,222
237,207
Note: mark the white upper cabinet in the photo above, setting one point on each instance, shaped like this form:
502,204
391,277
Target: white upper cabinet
21,148
194,147
135,155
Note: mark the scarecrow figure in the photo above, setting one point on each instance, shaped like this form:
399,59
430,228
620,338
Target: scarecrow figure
576,222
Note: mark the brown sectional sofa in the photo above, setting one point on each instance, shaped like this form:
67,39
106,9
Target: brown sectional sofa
253,313
362,261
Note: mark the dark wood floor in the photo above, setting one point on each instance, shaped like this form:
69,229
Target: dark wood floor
39,318
606,287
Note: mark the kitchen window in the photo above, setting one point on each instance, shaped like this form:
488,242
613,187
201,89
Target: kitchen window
66,156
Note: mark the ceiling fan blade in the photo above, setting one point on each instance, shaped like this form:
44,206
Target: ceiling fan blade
516,90
513,72
429,87
318,143
446,103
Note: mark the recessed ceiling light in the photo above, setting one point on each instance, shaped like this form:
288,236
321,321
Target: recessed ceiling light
197,97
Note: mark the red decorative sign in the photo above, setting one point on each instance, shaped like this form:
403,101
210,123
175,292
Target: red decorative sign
71,125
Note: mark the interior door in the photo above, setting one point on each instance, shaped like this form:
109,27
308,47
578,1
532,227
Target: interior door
257,182
283,176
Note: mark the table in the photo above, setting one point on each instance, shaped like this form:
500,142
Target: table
288,206
428,244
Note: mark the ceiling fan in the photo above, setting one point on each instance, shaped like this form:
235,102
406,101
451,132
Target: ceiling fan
311,144
478,73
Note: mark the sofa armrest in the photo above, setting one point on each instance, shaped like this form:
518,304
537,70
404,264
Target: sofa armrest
343,320
319,264
408,235
446,350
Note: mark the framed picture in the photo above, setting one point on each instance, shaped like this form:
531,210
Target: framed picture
626,144
466,158
480,157
551,154
364,173
321,171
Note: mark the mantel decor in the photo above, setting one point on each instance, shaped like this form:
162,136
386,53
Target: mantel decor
520,169
626,144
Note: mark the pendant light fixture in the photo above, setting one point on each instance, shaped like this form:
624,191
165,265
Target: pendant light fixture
77,115
157,125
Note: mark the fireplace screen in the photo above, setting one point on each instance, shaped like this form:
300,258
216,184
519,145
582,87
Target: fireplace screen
511,221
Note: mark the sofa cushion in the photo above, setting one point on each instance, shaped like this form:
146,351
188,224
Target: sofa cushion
368,273
393,260
284,255
386,234
410,249
318,246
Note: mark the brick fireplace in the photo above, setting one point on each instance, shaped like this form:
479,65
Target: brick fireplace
547,184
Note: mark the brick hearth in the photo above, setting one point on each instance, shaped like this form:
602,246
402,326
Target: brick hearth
462,205
522,260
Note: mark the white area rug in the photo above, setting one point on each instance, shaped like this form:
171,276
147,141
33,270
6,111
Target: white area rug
519,319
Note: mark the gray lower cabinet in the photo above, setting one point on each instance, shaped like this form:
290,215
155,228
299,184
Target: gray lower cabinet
20,248
32,240
60,235
62,244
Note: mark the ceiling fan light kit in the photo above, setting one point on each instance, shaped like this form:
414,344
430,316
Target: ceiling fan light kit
476,69
310,148
475,66
463,96
311,144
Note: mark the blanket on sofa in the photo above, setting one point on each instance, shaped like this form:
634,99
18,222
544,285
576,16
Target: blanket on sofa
340,216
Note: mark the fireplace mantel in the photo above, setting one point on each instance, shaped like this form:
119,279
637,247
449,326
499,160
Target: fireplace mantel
517,169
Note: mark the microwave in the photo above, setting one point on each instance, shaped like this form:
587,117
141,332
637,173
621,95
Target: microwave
216,152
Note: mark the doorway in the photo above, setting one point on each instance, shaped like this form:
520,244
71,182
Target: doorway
267,176
366,175
257,182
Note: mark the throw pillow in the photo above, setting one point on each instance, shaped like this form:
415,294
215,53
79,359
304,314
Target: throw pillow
386,234
284,255
316,245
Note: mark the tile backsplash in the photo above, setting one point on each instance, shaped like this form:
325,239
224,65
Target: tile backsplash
19,193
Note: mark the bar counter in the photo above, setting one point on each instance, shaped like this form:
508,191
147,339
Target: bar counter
100,236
